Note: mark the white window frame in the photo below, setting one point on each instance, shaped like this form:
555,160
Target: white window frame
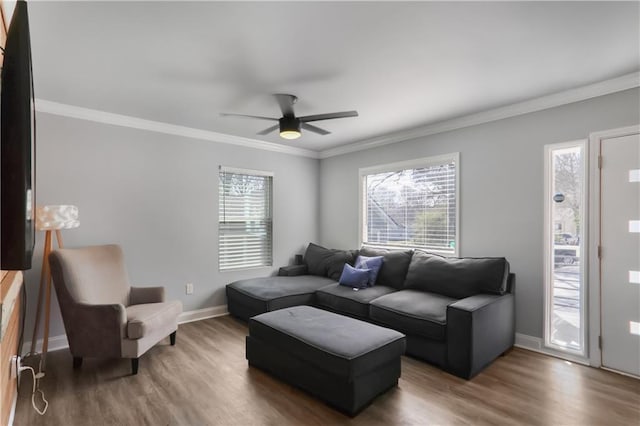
404,165
548,255
252,172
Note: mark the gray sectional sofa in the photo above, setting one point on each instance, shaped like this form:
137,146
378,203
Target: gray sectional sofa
456,313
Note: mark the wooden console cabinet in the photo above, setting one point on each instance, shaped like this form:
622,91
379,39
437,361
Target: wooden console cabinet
11,303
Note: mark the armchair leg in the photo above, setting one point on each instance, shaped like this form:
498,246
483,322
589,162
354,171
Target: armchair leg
77,362
172,338
134,366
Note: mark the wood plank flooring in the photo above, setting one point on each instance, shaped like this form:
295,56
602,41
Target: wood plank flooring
205,380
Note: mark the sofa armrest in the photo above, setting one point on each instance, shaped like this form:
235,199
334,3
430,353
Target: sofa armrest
140,295
511,283
96,330
479,329
293,270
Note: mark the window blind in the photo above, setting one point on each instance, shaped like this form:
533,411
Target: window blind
245,219
412,207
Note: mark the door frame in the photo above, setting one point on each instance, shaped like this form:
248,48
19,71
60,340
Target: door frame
594,288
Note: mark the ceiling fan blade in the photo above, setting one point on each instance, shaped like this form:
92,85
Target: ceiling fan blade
268,130
286,103
328,116
228,114
314,129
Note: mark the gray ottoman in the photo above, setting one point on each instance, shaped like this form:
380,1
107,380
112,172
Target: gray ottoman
343,361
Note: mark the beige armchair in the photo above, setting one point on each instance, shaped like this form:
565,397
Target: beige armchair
104,316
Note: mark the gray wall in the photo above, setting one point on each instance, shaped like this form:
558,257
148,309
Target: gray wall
157,196
501,185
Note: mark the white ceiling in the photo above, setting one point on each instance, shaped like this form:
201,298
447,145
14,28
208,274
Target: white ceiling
401,65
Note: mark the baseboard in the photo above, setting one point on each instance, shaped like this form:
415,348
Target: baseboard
536,344
633,376
55,344
60,342
525,341
201,314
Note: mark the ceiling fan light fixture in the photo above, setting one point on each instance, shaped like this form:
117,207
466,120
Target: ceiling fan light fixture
289,134
289,128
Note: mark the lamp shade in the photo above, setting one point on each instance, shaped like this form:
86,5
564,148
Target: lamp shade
50,218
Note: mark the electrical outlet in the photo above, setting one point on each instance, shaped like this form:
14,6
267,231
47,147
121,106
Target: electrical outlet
188,288
16,363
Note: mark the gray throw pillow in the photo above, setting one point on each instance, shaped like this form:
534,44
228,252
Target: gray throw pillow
394,266
326,262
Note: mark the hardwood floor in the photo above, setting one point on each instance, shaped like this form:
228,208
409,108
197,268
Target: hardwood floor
205,380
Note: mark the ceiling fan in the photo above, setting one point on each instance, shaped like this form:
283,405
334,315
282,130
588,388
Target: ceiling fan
290,126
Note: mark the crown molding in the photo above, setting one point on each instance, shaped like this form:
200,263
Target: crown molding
625,82
72,111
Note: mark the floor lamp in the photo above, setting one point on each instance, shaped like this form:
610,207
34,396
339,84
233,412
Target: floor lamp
49,219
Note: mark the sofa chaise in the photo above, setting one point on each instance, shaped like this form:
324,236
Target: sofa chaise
456,313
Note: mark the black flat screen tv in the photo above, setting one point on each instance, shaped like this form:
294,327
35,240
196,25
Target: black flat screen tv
17,146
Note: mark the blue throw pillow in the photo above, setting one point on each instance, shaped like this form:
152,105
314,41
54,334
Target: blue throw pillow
354,278
373,263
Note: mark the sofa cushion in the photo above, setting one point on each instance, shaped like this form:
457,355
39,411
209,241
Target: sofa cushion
373,264
413,312
144,319
354,278
394,266
457,277
346,301
246,298
326,262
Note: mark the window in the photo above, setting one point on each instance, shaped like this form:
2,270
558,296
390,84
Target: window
564,239
412,204
244,222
